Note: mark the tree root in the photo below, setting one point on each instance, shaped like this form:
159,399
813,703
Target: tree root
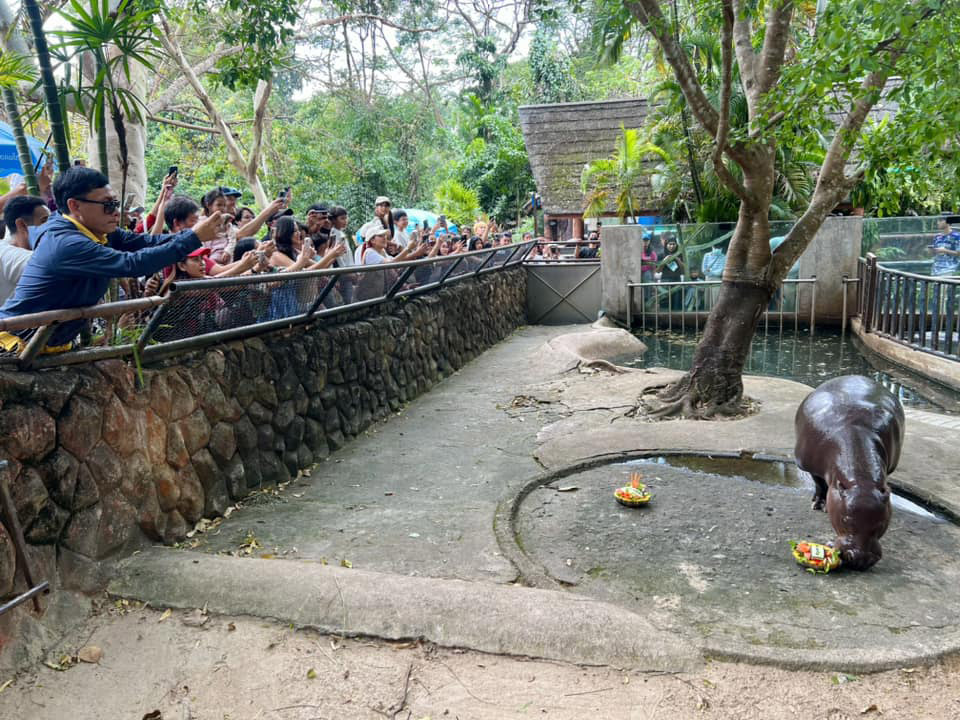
682,399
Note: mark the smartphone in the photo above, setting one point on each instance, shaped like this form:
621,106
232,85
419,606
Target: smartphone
443,220
173,170
426,225
282,195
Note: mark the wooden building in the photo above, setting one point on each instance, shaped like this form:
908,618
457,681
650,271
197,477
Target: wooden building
564,137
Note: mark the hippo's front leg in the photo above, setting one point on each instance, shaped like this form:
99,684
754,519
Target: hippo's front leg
819,494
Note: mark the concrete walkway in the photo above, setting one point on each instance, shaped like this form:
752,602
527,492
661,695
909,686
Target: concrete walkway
412,531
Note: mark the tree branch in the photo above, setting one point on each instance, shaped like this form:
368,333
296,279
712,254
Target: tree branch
649,14
355,17
775,40
746,57
726,88
204,66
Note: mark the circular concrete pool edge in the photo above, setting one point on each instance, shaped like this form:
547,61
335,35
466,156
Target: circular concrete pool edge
850,659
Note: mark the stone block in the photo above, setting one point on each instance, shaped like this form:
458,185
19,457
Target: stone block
294,434
87,492
175,528
265,393
177,454
244,393
55,388
251,469
304,457
272,468
301,401
213,480
29,495
80,534
152,520
216,362
315,408
235,477
284,415
59,474
190,504
291,461
265,437
156,437
182,402
168,489
196,431
27,431
47,525
286,386
79,426
259,414
159,392
331,422
336,440
124,428
16,385
94,386
246,434
223,443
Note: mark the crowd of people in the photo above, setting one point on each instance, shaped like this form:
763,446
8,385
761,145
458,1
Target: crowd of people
62,251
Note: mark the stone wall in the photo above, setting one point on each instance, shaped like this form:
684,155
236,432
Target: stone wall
98,465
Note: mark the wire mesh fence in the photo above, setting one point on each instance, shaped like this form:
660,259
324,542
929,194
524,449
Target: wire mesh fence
200,312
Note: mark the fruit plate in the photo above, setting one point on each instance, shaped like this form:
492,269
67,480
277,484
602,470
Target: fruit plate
632,496
815,557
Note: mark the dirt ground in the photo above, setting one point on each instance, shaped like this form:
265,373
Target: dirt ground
189,666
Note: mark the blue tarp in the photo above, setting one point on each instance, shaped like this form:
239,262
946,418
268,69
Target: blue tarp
9,160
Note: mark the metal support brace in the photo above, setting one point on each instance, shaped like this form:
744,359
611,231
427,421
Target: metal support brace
400,281
450,269
323,295
37,343
9,513
484,263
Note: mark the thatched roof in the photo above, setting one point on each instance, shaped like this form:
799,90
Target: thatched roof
562,138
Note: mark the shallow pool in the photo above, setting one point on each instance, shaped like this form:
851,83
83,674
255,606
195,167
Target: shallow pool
795,355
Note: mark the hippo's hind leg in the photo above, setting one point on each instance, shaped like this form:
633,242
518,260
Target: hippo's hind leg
819,493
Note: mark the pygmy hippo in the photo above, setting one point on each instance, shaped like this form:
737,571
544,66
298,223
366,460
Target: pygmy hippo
849,435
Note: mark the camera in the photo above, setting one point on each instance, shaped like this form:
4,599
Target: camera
173,170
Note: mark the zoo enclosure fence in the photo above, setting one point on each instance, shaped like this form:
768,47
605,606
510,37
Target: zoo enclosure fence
918,311
199,313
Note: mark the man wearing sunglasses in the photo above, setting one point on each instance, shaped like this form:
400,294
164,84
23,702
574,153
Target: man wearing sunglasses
83,249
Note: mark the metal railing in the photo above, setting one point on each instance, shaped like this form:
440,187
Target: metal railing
690,302
919,311
197,313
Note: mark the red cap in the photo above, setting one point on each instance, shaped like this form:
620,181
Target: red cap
200,252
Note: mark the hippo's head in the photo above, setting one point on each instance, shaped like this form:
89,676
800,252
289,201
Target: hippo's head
859,555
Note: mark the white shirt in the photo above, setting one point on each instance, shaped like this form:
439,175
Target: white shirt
372,257
401,238
12,262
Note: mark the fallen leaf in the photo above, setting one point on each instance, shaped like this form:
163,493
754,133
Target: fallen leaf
90,654
198,618
266,556
311,674
568,488
346,563
154,715
702,703
870,709
7,684
166,613
231,627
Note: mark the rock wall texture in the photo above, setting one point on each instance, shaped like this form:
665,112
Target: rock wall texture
98,464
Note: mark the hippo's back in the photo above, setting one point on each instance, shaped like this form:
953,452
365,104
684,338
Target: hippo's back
852,409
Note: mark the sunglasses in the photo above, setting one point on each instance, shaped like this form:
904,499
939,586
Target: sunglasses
109,206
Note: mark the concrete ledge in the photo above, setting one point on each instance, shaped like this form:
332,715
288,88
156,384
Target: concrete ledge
943,371
506,619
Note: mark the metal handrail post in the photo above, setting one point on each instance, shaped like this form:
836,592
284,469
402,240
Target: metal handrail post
813,304
629,306
328,288
35,345
843,312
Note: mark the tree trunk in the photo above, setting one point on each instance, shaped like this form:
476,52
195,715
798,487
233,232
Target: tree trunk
50,90
714,384
20,138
